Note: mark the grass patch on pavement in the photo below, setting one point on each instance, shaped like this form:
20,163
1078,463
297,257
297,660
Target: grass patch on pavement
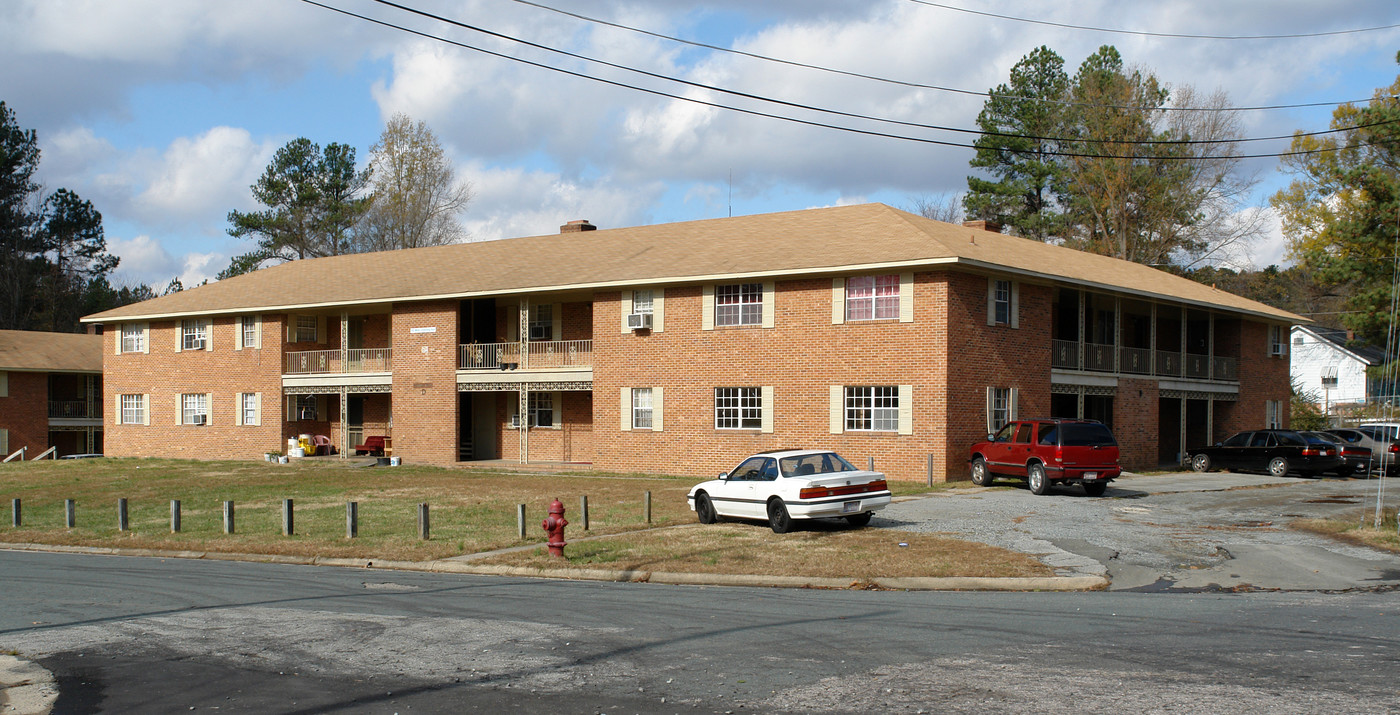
815,549
1358,529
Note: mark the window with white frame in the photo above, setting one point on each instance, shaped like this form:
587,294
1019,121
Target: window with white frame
872,409
194,409
999,407
193,334
248,408
542,322
642,302
641,408
739,304
306,407
306,329
133,338
1273,414
1277,344
1001,302
872,297
541,406
133,409
738,408
248,331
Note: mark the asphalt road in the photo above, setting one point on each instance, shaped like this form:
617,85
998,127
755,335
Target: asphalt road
155,635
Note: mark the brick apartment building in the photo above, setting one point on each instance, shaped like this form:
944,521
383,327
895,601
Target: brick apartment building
50,393
680,348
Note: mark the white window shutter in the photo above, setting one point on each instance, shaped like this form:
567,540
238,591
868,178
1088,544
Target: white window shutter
1015,403
257,332
291,327
179,335
906,297
556,329
837,408
179,409
257,408
208,334
768,290
656,403
991,410
707,307
117,413
838,301
209,409
238,409
906,409
146,408
991,301
4,384
626,305
4,442
118,335
145,338
766,419
658,310
238,333
1015,304
625,405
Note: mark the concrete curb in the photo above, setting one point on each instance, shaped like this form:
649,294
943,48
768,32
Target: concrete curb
948,583
25,688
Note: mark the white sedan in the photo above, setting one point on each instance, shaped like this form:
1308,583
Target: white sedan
791,484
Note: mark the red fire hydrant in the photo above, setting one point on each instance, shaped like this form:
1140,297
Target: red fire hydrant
554,525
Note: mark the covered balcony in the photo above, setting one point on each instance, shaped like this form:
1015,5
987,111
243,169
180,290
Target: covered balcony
541,355
334,362
1100,333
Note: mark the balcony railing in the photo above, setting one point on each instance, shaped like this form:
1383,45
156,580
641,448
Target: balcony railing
1137,361
1098,358
329,362
79,409
1225,369
549,354
1064,354
1197,366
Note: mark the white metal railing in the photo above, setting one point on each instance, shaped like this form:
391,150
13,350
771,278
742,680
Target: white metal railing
73,409
326,362
538,355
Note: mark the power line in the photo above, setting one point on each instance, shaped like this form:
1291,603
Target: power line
756,113
849,115
1145,33
905,83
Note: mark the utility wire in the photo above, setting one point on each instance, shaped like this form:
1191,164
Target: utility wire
852,115
1144,33
904,83
756,113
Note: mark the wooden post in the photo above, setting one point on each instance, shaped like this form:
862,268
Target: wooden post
646,507
520,519
228,517
352,519
122,524
423,521
70,513
15,520
174,516
288,524
930,470
582,510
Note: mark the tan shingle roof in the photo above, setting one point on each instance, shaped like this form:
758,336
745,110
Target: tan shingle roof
50,352
794,242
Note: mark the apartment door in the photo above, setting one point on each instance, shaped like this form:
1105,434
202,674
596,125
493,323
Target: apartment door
355,420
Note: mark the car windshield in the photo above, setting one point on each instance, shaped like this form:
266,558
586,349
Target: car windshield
1085,434
821,463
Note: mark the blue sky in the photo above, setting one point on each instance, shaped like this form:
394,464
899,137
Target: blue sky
163,112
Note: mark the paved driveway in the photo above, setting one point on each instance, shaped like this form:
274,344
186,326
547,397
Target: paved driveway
1173,532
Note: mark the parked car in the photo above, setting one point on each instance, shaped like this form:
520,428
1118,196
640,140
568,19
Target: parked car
1355,457
1275,451
1049,451
1388,430
1385,453
784,485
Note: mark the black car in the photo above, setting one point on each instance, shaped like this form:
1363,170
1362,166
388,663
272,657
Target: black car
1358,458
1275,451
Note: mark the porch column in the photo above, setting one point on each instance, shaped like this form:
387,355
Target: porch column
1082,341
1210,421
344,421
523,410
524,333
1210,348
1181,442
1184,318
344,341
1152,338
1117,333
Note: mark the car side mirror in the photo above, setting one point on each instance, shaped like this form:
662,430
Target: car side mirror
723,476
1220,444
991,437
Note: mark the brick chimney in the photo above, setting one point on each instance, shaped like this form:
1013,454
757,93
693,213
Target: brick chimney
992,226
577,226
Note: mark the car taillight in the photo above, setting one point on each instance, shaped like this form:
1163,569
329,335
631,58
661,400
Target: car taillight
1315,452
879,485
1393,448
1059,454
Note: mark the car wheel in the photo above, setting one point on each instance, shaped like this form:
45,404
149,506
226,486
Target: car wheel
704,508
1201,463
1095,489
1278,467
778,517
1345,472
1035,479
981,476
859,520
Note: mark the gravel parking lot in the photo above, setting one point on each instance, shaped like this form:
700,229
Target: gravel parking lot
1170,532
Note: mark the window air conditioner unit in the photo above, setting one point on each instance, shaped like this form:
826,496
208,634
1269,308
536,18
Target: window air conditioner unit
307,415
639,321
1276,349
515,421
200,420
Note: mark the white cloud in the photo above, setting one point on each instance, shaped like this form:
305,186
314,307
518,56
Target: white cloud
146,260
514,202
197,180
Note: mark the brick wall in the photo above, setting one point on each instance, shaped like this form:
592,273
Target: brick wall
25,413
1262,377
223,372
425,382
1135,422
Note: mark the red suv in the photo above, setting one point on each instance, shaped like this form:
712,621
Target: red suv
1047,451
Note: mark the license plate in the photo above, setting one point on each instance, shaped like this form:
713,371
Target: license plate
849,507
1091,475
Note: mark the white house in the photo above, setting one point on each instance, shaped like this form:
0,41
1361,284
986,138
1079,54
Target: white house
1323,364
